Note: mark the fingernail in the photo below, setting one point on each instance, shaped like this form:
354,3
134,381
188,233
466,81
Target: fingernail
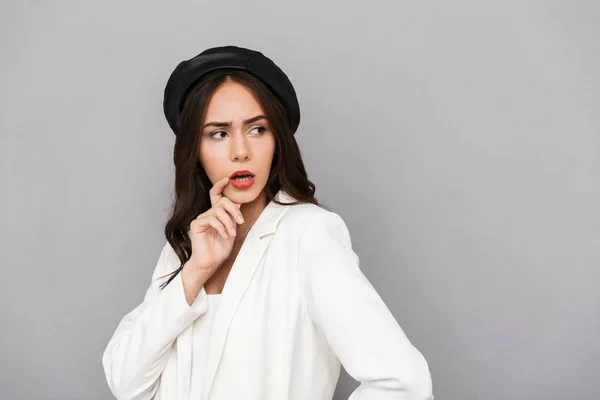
232,231
240,219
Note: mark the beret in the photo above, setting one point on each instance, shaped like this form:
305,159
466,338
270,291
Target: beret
188,73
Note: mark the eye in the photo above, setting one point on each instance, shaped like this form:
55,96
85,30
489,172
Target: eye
212,135
260,129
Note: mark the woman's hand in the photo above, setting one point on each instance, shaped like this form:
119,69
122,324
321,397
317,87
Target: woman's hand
213,232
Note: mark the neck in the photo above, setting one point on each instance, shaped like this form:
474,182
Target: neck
251,211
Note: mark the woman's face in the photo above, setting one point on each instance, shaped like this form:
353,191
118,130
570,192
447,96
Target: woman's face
236,136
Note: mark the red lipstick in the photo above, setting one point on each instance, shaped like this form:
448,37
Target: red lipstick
244,179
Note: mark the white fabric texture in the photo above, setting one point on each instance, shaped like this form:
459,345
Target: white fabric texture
294,309
201,344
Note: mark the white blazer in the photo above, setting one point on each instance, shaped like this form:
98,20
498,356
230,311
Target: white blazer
294,306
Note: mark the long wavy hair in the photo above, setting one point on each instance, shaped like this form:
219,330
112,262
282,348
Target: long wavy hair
192,185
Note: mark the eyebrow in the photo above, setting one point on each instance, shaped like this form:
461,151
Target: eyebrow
225,124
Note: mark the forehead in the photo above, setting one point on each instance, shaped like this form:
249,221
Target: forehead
232,101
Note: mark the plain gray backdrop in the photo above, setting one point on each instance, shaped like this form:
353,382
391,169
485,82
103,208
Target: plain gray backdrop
459,140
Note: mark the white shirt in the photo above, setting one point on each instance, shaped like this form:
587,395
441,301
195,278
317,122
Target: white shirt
295,308
201,344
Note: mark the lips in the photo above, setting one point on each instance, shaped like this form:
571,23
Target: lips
242,173
242,179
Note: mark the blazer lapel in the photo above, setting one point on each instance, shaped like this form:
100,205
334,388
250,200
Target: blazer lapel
257,241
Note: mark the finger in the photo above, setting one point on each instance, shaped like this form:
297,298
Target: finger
226,219
217,225
216,191
199,225
232,208
206,221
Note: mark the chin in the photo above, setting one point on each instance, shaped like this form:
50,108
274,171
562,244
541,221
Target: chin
241,196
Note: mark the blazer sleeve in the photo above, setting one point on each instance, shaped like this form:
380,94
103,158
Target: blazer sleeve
355,321
140,346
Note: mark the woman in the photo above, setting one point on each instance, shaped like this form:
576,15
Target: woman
257,293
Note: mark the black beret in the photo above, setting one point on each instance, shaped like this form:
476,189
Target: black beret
188,72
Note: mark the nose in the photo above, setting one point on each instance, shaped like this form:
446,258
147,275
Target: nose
240,151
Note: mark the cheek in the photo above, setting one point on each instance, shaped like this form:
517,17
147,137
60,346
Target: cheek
266,154
267,148
211,160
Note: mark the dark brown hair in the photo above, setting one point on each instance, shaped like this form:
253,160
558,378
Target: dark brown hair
191,182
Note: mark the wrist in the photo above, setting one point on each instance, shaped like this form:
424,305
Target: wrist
193,275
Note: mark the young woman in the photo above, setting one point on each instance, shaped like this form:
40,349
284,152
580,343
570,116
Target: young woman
257,293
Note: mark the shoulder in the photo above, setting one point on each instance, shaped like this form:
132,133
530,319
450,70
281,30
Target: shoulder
314,221
319,235
305,210
304,213
167,262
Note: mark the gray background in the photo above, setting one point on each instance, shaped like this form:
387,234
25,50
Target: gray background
459,141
